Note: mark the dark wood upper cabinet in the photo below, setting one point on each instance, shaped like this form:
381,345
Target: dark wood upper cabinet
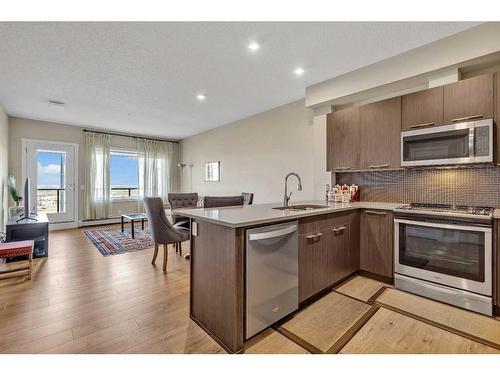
422,109
468,99
381,134
496,264
377,237
343,131
497,117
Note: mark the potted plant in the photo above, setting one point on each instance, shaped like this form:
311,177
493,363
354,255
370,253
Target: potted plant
11,187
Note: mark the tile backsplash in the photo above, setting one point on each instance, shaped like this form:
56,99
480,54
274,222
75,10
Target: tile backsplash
479,186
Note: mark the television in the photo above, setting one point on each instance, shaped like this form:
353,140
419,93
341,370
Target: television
27,215
27,209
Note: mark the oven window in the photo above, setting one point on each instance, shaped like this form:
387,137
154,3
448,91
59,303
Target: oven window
445,145
452,252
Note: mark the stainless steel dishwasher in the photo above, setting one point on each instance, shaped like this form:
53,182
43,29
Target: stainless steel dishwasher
272,275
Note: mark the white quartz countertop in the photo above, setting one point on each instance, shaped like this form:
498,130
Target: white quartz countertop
249,215
496,213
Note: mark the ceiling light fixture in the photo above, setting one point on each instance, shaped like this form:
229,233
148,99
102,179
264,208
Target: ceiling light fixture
253,46
200,97
299,71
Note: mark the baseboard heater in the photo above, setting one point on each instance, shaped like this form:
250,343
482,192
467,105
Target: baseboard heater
91,223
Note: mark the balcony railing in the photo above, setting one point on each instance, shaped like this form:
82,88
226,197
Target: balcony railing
126,192
55,202
47,201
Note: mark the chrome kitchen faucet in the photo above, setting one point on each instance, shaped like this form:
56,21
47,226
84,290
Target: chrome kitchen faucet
287,196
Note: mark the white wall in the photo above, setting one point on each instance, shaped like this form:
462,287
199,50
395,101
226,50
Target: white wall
42,130
257,152
409,69
4,148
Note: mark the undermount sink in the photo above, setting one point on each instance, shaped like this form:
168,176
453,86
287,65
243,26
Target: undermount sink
301,207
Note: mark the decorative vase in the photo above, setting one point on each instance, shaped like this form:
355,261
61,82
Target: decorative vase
14,210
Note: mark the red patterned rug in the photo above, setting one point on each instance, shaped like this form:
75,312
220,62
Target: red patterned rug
111,241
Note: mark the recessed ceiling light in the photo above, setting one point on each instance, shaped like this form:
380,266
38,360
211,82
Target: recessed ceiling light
299,71
200,97
253,46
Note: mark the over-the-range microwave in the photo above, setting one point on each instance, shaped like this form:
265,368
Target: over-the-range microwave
461,143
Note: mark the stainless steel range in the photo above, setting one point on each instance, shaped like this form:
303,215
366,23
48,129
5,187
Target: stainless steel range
444,252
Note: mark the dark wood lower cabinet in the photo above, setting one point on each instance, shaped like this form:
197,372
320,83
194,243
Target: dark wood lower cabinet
328,252
217,284
376,242
343,257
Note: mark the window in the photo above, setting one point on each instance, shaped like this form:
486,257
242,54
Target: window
123,174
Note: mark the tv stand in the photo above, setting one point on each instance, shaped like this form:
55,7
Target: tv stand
33,227
30,217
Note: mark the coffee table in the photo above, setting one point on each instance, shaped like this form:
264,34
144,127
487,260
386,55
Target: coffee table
133,218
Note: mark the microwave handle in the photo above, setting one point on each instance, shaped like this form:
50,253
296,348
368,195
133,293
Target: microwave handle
472,134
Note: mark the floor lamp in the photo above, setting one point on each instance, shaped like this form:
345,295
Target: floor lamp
181,166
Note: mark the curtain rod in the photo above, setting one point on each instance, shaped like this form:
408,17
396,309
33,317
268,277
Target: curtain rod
129,135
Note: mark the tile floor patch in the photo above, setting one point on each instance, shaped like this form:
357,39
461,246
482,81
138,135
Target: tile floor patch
325,322
360,287
273,342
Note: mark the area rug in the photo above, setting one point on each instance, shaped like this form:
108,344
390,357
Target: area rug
111,241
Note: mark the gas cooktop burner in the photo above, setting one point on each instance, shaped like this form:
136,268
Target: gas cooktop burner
447,208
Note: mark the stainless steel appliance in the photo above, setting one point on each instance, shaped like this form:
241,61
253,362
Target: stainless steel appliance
460,143
445,253
272,275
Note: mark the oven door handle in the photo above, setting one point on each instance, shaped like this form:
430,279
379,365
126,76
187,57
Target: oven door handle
445,226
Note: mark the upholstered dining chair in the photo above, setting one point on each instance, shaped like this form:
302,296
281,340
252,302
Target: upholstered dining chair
182,200
247,198
211,202
162,231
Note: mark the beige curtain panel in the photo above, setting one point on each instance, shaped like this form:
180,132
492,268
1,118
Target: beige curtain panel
156,168
97,176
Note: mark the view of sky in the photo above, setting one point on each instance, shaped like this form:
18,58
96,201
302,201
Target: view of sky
49,169
123,170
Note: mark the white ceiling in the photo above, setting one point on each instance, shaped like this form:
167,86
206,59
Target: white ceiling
144,77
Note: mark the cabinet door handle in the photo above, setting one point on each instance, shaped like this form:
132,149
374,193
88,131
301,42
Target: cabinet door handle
339,229
422,125
342,168
379,166
473,117
380,213
314,236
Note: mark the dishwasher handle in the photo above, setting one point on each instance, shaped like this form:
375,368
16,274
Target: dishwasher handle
273,234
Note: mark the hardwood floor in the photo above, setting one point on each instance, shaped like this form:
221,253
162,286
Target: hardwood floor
79,301
390,332
477,325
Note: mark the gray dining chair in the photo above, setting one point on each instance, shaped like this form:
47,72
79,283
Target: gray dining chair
182,200
211,202
162,231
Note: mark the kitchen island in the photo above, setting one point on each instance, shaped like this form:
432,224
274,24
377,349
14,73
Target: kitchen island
217,278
